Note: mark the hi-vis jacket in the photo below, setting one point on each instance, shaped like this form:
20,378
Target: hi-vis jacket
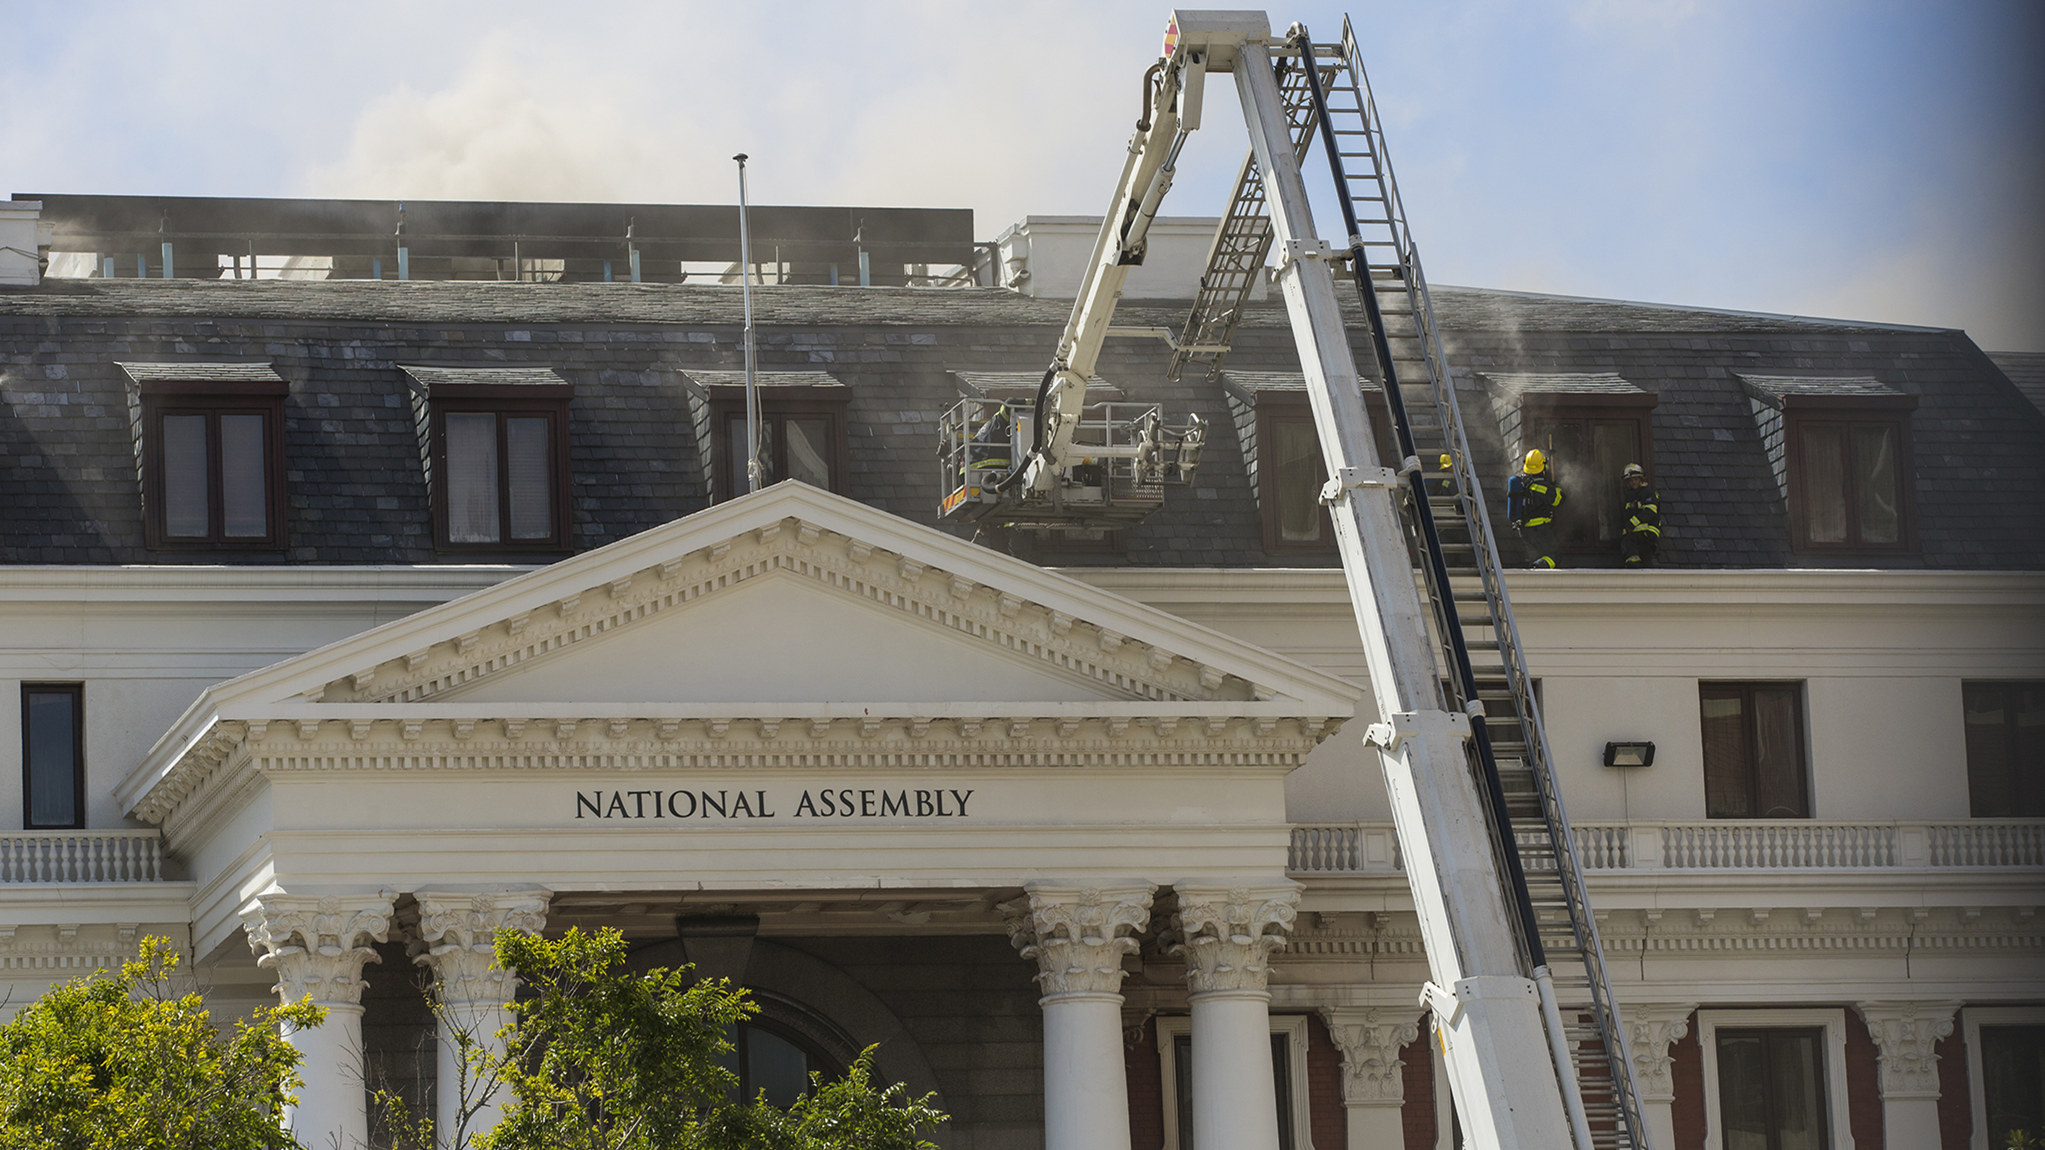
1531,500
1642,514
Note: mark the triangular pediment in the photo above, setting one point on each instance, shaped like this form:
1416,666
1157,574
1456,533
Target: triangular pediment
788,604
778,637
749,585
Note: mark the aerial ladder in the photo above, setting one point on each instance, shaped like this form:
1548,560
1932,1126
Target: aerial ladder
1520,1001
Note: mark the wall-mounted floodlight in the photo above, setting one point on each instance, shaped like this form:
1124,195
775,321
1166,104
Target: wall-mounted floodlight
1629,754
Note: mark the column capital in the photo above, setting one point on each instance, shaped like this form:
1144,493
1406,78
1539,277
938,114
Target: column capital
1651,1029
316,944
1227,934
458,939
1078,934
1370,1038
1905,1033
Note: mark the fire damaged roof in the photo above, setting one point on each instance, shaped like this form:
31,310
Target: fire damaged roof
357,489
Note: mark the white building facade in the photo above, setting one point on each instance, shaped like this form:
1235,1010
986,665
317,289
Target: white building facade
1072,827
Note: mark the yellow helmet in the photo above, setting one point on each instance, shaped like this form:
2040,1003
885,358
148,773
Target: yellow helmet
1537,462
1446,462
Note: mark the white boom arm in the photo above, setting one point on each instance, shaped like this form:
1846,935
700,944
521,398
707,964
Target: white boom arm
1171,110
1509,1091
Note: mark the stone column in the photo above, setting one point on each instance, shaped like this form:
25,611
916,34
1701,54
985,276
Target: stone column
1904,1034
1651,1029
1078,936
457,941
1373,1078
316,945
1226,936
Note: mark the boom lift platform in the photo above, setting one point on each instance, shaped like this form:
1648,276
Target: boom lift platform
1521,1003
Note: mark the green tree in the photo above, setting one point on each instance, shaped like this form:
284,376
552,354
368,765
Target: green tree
600,1058
119,1061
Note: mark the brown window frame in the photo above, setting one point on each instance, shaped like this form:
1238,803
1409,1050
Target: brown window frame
1273,407
1539,413
212,400
776,406
504,402
77,693
1750,733
1847,412
2014,795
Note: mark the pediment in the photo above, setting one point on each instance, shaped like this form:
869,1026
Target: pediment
787,596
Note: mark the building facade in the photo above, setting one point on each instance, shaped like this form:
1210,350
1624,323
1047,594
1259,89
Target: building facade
349,621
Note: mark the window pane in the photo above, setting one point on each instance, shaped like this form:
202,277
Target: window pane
1743,1089
1281,1077
1874,478
51,723
1779,753
244,481
185,514
2013,1080
2005,725
1297,477
1727,794
775,1065
1615,443
529,451
1823,464
1797,1089
1571,463
809,451
471,477
1182,1085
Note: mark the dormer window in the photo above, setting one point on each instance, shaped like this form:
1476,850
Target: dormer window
211,447
496,444
1840,449
1282,452
802,428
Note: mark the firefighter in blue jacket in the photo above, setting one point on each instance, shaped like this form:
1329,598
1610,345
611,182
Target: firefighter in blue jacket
1640,520
1531,498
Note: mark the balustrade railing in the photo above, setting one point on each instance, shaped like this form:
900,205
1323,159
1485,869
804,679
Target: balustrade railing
1718,845
80,857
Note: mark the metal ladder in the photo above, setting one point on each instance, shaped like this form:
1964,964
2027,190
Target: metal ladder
1479,651
1241,243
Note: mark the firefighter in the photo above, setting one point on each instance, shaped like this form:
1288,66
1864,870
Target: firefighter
1640,520
1531,498
1444,483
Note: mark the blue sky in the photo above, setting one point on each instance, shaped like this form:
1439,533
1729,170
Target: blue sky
1873,159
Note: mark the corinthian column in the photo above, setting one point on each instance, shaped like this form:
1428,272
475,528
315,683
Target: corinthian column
1651,1029
316,946
457,941
1078,936
1373,1078
1904,1034
1226,936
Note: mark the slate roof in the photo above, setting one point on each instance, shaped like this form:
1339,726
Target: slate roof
201,372
357,492
2026,369
1776,390
429,378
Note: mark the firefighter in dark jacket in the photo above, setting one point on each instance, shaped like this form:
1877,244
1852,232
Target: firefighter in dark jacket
1531,498
1640,520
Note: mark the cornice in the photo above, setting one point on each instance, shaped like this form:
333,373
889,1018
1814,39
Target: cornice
1618,589
828,559
233,754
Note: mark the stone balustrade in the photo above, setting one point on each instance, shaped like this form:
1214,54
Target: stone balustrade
81,857
1722,845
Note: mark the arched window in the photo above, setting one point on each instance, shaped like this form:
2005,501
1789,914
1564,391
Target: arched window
778,1049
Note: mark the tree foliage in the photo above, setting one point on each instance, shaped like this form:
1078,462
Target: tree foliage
604,1059
119,1061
